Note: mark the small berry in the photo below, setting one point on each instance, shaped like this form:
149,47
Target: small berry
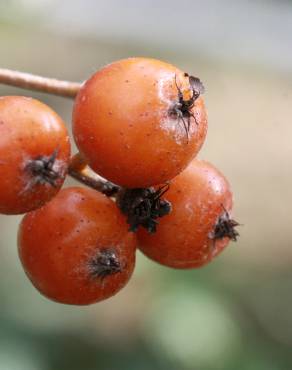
139,122
199,226
34,154
77,248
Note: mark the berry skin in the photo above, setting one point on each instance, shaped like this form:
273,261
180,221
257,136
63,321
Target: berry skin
77,248
199,226
139,122
34,154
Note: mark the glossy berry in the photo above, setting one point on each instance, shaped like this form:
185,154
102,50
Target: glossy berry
34,154
77,248
139,121
199,226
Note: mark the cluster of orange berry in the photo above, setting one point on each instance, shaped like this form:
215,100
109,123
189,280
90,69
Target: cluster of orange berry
138,123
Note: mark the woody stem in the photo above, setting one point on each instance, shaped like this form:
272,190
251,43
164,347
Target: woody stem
44,84
79,170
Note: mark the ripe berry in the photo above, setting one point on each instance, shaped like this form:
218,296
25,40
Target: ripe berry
199,226
34,154
139,121
77,248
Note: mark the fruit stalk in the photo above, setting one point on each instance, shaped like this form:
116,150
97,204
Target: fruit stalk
43,84
81,172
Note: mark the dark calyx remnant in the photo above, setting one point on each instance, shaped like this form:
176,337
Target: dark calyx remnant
182,109
225,227
144,206
42,170
104,264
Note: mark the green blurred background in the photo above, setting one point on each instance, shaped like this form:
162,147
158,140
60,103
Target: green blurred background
234,313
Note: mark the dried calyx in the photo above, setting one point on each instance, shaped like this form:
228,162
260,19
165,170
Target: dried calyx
182,108
104,264
225,227
143,207
196,85
42,169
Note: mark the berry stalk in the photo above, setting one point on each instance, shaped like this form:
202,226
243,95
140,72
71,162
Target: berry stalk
79,170
43,84
142,206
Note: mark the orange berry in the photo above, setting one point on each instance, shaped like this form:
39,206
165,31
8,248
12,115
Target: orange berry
139,121
34,154
86,253
199,226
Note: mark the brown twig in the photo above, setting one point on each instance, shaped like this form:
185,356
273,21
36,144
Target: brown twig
100,185
32,82
79,170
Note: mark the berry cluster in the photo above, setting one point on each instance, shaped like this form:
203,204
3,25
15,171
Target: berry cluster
139,123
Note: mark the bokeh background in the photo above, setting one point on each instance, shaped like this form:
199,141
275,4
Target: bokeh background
234,313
